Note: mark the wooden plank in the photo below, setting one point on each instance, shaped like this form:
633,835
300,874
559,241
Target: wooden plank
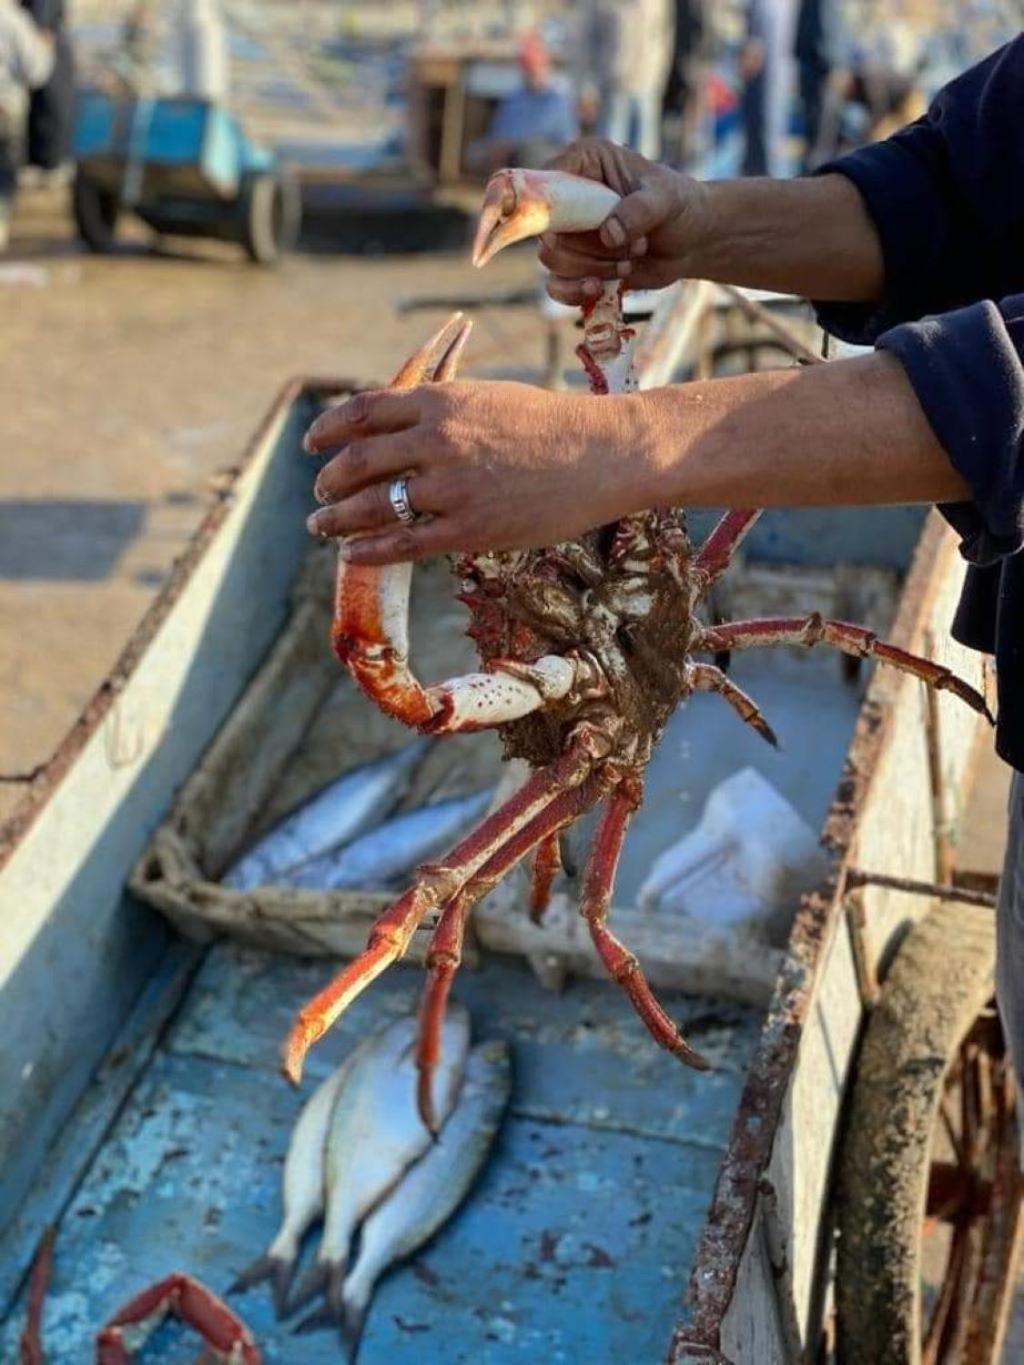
571,1247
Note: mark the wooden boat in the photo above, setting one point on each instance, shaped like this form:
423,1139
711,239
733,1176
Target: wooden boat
142,1110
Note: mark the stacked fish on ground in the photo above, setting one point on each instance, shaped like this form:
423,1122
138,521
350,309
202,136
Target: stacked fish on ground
361,1154
336,841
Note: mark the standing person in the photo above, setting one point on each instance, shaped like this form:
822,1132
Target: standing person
821,58
623,54
26,61
684,95
912,245
766,66
52,106
178,49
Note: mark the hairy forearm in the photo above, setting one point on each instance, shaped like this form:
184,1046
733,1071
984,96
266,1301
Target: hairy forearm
851,432
812,237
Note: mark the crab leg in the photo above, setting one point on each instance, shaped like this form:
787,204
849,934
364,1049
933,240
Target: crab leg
619,962
436,884
708,678
226,1335
445,952
716,554
849,639
546,864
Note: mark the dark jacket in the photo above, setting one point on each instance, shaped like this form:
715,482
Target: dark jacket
51,111
947,197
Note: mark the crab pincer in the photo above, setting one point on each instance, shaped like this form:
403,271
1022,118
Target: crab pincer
227,1338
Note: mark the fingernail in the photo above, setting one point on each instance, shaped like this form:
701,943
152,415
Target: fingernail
639,247
624,268
591,287
308,441
613,233
344,550
313,524
321,494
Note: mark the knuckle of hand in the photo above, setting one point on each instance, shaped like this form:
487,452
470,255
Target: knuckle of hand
359,408
355,459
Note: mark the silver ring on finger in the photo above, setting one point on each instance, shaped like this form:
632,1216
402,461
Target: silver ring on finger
398,496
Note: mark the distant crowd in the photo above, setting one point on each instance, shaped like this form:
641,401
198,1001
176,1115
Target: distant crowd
654,74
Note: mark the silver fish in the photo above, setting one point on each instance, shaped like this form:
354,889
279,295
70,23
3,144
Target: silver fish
339,813
394,848
375,1135
433,1189
302,1184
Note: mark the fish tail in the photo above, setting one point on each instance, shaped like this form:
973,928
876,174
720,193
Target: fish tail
334,1296
331,1313
310,1283
320,1317
276,1269
352,1324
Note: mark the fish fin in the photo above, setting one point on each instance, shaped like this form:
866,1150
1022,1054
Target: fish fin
310,1283
352,1325
265,1267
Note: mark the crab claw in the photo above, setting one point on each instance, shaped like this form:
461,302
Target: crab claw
226,1336
520,204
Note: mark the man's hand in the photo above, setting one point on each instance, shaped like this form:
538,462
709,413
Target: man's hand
493,466
647,239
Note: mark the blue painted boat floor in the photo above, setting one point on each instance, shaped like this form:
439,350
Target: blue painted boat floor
575,1244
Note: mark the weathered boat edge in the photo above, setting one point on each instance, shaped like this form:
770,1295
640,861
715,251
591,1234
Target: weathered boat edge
70,918
743,1223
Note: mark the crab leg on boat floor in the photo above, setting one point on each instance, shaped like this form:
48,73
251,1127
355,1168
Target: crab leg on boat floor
227,1338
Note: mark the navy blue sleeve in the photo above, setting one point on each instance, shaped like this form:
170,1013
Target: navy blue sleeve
946,195
967,372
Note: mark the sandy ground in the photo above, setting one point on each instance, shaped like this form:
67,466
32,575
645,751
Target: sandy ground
132,380
135,379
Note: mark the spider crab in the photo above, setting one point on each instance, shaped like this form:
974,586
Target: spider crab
587,649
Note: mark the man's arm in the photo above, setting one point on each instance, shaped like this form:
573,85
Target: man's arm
500,466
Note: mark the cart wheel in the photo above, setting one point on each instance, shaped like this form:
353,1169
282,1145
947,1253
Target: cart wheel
271,216
95,212
929,1191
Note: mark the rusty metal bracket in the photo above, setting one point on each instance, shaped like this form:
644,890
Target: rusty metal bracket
857,877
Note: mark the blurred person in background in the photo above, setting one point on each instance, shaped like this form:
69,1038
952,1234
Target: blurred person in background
26,63
177,48
533,123
683,101
52,106
624,51
766,67
821,58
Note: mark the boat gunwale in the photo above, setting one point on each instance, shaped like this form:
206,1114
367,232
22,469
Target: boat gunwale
731,1215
